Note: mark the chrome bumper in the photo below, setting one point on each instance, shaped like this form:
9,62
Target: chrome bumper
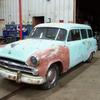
20,77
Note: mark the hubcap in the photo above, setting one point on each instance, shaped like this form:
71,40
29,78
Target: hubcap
51,76
91,56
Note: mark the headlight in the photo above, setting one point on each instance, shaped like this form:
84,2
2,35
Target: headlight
34,60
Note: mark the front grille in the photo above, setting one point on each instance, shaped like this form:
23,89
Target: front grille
14,65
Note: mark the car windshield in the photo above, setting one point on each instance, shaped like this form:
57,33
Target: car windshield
49,33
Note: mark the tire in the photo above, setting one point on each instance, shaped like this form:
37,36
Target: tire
90,58
51,77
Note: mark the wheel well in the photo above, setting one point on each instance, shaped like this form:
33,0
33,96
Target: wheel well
60,67
93,52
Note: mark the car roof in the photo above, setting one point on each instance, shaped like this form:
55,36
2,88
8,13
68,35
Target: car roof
64,25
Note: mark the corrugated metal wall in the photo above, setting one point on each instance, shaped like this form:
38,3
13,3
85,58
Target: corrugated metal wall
54,9
9,10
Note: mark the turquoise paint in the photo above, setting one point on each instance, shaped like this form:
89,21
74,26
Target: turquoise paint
78,50
74,52
25,48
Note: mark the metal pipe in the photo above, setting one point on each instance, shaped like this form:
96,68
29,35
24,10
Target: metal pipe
20,18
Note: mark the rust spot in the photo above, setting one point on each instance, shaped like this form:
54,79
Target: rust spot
12,77
50,56
60,53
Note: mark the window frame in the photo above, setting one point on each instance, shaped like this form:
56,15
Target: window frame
69,33
65,35
81,33
57,34
88,33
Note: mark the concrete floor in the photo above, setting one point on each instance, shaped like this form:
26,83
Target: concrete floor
80,83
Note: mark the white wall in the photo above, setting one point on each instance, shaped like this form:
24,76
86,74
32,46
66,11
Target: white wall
54,9
9,10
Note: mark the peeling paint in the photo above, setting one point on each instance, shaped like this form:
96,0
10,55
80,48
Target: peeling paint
53,55
47,52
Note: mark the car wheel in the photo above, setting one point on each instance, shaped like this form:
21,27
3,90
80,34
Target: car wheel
51,77
90,58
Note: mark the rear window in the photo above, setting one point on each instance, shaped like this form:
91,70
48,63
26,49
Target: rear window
84,33
90,33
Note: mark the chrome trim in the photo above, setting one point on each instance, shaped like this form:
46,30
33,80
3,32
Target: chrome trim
25,78
17,67
12,63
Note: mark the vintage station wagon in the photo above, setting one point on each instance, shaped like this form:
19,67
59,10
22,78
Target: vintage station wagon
50,50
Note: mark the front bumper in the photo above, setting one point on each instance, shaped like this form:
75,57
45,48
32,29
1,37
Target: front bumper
20,77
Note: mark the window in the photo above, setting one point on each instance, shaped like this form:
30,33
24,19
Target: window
62,35
74,35
90,34
49,33
38,32
44,33
84,33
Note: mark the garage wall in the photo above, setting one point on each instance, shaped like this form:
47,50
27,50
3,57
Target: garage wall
9,10
52,10
2,24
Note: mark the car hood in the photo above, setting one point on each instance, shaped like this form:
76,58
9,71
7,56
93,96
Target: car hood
23,49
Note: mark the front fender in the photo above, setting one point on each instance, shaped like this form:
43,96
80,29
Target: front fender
58,54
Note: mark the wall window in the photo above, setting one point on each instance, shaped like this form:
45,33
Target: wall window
84,33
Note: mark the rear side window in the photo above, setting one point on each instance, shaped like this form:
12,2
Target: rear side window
84,33
74,35
90,34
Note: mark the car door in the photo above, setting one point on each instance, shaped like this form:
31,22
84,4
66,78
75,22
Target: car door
84,44
74,45
92,43
88,43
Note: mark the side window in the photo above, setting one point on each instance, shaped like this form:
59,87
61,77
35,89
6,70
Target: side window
62,35
51,33
90,34
74,35
84,33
